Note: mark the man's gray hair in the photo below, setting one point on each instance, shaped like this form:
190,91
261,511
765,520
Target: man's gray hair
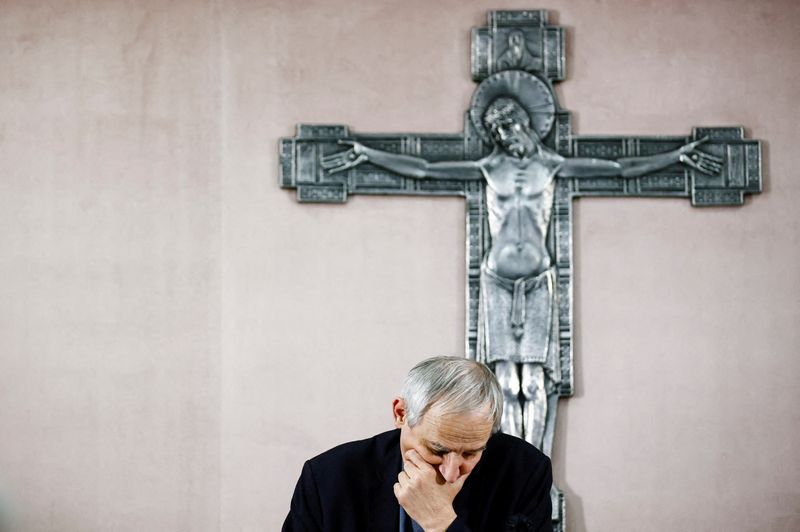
456,385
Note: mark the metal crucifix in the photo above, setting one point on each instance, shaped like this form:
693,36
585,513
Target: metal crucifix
519,166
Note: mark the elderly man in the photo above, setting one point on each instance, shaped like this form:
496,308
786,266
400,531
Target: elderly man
445,467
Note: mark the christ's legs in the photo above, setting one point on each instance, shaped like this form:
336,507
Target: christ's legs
508,377
535,403
549,429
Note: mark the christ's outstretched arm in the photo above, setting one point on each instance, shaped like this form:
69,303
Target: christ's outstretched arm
687,154
405,165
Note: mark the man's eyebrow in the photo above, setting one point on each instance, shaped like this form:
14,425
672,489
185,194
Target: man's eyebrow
438,447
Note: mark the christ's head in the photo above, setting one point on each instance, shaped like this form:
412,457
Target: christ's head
510,126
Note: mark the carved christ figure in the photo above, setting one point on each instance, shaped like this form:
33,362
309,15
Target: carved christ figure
518,329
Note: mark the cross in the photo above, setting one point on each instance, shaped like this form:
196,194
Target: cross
520,53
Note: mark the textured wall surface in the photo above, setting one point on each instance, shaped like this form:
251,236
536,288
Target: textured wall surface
177,334
109,266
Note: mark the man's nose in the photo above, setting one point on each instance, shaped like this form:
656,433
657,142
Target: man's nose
450,468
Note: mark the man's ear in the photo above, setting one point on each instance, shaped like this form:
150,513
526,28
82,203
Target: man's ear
399,412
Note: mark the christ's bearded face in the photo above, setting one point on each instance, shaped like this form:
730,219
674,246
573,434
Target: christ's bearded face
510,127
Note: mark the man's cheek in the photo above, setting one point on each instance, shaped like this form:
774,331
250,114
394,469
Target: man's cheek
431,459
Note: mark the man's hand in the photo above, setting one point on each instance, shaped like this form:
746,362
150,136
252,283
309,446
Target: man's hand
424,495
700,161
344,160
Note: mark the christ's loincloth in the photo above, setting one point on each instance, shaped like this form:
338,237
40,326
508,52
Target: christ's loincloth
518,320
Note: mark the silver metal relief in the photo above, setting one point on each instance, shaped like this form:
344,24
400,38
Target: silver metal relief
517,55
519,167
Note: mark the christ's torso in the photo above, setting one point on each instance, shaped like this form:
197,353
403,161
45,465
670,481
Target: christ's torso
519,197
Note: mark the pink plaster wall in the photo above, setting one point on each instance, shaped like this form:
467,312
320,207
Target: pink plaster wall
177,334
109,266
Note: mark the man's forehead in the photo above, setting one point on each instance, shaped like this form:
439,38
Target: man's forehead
445,426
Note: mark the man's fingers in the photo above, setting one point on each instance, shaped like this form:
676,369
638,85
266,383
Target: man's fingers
415,460
410,467
403,478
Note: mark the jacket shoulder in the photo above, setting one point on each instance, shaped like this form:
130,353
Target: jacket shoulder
515,446
357,456
508,454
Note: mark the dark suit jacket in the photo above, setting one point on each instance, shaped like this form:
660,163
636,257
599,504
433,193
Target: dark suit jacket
349,489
